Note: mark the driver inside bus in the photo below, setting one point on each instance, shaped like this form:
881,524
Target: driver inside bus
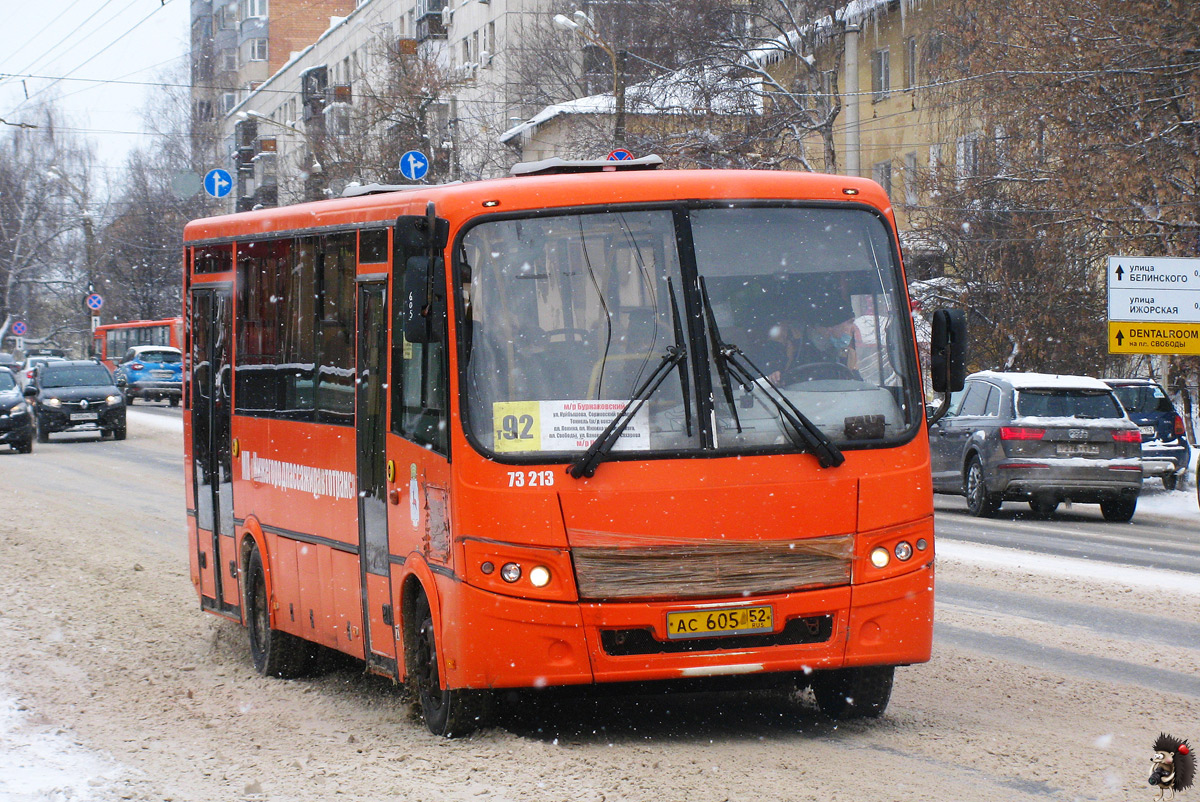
826,336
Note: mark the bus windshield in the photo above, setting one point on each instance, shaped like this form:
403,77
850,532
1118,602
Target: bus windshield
568,315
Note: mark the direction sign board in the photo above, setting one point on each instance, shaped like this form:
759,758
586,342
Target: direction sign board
414,165
18,328
218,182
1153,305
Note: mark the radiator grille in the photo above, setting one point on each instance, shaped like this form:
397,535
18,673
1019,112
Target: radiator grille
634,568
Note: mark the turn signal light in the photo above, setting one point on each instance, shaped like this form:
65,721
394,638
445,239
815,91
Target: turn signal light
1179,430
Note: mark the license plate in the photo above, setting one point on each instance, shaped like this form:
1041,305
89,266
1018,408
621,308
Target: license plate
1078,449
1147,430
85,416
161,374
730,621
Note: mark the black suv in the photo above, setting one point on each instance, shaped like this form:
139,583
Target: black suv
76,396
1038,438
16,424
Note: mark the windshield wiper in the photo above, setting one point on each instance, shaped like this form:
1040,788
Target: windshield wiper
675,356
732,361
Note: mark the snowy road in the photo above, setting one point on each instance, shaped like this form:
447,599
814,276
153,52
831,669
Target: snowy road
113,685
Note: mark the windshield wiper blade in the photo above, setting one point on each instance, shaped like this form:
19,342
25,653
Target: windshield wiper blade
587,462
734,361
684,385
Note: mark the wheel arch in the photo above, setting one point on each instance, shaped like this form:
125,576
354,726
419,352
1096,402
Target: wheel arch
252,538
418,580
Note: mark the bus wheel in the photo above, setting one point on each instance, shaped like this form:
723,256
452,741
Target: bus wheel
447,712
275,653
848,693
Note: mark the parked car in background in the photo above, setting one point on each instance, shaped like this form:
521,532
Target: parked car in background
8,362
1038,438
77,395
1165,448
29,366
152,373
16,420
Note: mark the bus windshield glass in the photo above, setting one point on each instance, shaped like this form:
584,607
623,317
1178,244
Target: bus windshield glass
568,315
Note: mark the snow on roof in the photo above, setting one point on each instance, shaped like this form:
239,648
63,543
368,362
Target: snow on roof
855,12
1042,381
680,92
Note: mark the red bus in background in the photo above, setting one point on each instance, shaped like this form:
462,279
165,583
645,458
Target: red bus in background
111,340
611,424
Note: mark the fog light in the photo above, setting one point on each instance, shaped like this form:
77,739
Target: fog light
511,572
487,567
539,576
880,557
903,550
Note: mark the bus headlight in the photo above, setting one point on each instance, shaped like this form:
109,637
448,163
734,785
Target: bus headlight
880,557
904,550
510,572
539,576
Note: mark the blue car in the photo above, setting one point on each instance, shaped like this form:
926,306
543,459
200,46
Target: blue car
152,373
1165,448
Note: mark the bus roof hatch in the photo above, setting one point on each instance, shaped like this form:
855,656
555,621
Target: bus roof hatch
556,166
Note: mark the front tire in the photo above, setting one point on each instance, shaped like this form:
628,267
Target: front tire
1118,510
119,433
448,712
850,693
980,502
275,653
43,436
24,446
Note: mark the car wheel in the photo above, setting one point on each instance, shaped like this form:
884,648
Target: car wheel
119,433
275,653
849,693
43,436
174,401
980,502
1118,510
129,398
448,712
1170,481
1043,507
24,446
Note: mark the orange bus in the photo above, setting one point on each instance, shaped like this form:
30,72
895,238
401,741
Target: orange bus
593,423
110,341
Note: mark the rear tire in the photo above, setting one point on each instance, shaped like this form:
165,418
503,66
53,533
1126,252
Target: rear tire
174,401
1170,481
980,502
448,712
275,653
1118,510
850,693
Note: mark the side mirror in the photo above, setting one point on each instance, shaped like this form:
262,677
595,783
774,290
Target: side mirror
948,351
30,391
416,312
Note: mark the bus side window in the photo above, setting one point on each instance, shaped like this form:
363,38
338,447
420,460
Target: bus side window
418,380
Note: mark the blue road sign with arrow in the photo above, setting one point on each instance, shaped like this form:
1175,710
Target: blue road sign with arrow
218,182
414,165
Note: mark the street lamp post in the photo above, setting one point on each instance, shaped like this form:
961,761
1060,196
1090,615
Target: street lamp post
585,27
89,240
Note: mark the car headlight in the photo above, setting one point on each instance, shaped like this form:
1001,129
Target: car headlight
19,409
113,400
52,402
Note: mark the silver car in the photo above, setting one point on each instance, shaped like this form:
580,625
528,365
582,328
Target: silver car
1038,438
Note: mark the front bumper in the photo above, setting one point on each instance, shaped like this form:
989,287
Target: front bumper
51,419
16,428
535,644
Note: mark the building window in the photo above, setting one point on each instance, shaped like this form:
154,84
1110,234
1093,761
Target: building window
910,62
253,8
256,50
228,101
935,162
967,161
910,179
882,173
881,73
229,61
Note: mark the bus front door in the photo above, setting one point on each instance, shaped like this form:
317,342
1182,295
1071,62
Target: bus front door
371,425
212,459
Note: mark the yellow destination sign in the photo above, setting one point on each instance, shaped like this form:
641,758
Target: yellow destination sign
1153,338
